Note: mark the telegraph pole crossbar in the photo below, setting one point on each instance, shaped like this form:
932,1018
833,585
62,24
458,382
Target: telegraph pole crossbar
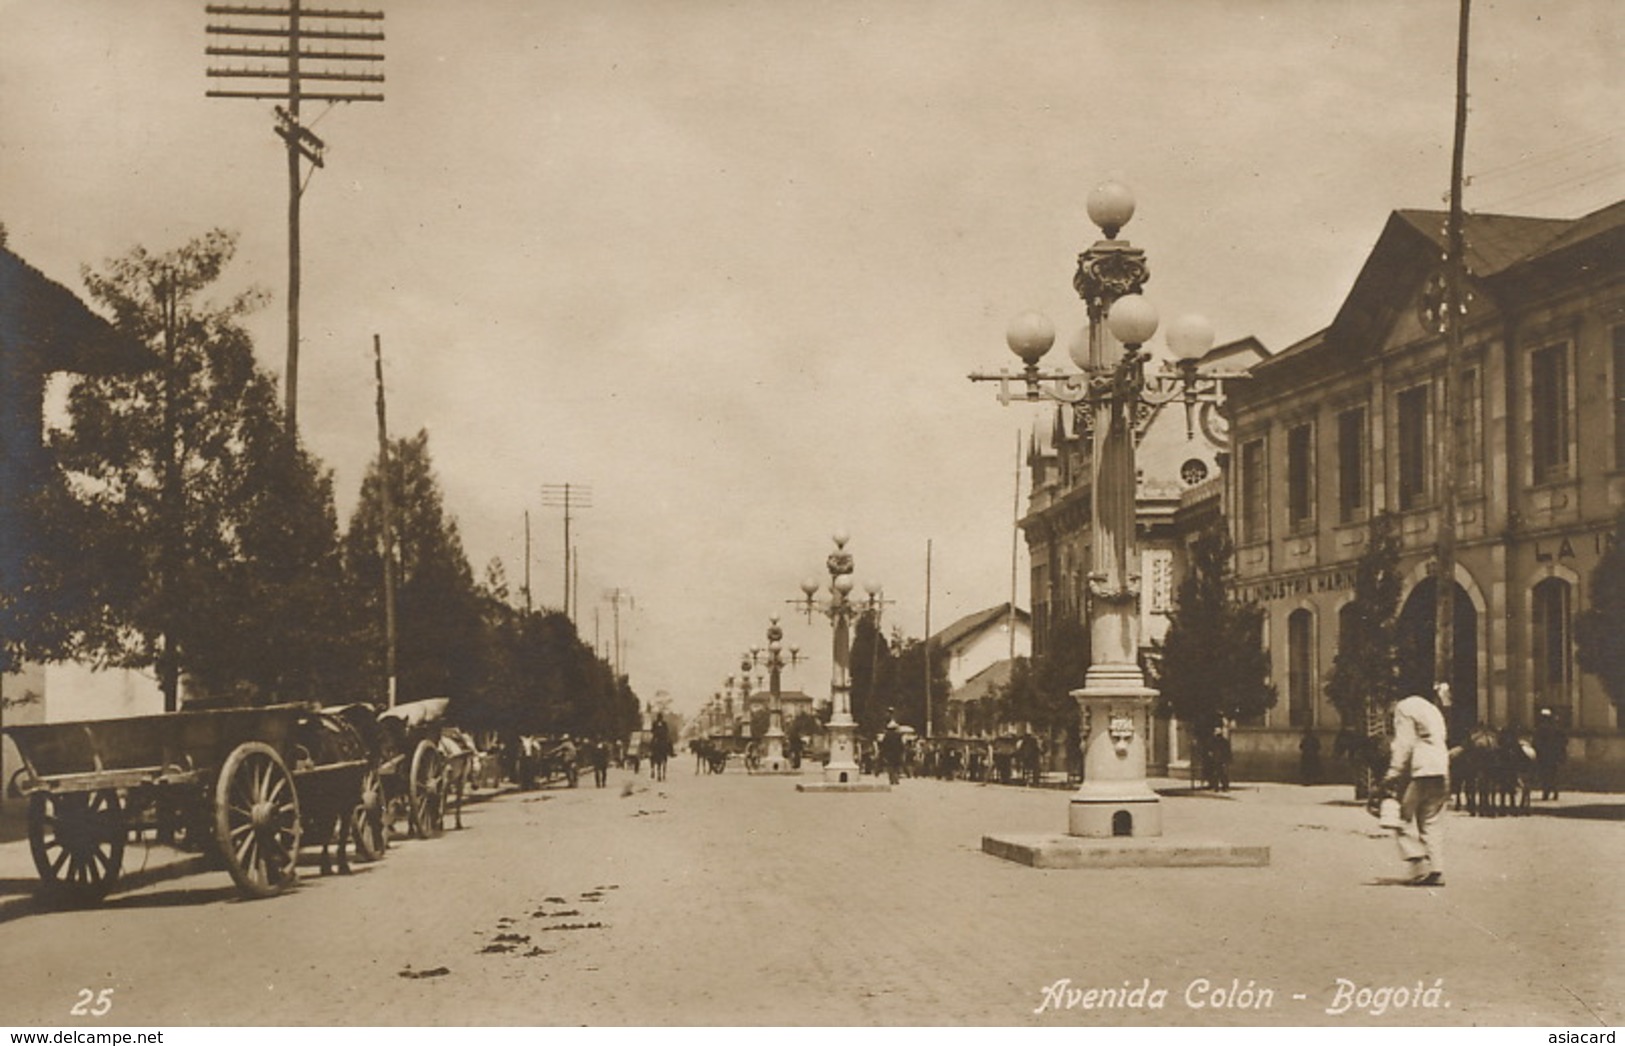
568,496
287,25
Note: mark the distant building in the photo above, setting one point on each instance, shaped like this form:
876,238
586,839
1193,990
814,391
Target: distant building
977,640
971,707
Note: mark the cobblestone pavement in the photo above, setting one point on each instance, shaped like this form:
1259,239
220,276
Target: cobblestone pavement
730,900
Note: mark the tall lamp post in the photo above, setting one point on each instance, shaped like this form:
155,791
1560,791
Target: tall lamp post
774,658
841,772
1114,396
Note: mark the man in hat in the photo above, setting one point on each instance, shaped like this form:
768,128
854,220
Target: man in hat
1550,745
891,750
1419,773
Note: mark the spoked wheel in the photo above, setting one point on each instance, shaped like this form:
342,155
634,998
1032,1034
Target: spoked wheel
256,820
367,820
78,843
428,791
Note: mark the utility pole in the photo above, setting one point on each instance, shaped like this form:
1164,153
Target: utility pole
1015,546
279,50
170,495
567,496
1452,320
387,525
527,562
927,647
616,596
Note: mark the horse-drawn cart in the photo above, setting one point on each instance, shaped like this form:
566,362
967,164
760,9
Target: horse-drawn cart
249,782
425,765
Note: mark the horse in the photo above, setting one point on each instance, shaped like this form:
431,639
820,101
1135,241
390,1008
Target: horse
659,753
1516,767
460,755
328,804
1491,770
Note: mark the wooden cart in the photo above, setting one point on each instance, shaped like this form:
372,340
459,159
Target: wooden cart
246,782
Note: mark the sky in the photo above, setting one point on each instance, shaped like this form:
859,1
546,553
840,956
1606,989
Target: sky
727,264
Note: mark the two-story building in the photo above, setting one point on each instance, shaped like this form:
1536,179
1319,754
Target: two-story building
1347,423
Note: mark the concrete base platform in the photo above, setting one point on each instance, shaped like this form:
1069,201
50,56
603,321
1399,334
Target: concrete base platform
849,786
1073,851
786,772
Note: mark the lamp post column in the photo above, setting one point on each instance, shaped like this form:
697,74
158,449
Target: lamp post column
773,760
843,764
1114,705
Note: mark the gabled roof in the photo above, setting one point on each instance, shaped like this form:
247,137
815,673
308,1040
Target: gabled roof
985,683
1410,248
971,624
1494,241
57,331
1582,229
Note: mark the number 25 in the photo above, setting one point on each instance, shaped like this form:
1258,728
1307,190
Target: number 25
93,1004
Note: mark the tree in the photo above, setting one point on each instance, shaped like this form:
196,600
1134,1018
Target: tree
198,535
1365,678
910,688
1213,664
874,676
1599,632
438,610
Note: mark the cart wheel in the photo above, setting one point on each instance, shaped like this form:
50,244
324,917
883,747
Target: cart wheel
368,819
256,820
78,843
428,791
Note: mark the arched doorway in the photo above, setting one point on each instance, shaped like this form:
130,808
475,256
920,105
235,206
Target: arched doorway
1416,634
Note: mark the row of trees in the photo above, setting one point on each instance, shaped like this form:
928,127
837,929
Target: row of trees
889,679
189,533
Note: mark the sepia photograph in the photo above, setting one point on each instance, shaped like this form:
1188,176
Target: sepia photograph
1090,516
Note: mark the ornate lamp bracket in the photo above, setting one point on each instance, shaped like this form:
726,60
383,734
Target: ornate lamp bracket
1106,272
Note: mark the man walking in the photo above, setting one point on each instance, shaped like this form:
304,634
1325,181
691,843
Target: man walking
891,750
1419,772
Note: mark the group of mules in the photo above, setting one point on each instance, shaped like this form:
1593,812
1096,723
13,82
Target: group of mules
1491,771
708,756
417,772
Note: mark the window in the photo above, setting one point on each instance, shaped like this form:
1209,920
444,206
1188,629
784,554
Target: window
1351,479
1300,637
1549,637
1470,432
1411,407
1300,475
1549,412
1619,397
1254,493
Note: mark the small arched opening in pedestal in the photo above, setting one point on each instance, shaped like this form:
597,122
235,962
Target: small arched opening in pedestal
843,777
1122,823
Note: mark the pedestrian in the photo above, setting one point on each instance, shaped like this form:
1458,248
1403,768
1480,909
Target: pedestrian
1027,759
1309,757
660,747
600,763
1551,746
567,759
1219,754
891,750
1419,773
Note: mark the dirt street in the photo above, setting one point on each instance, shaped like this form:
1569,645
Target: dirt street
730,900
